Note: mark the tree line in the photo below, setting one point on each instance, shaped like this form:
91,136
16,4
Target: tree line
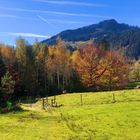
41,70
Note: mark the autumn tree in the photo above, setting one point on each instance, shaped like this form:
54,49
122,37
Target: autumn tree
7,54
116,74
58,65
40,52
90,65
2,69
75,84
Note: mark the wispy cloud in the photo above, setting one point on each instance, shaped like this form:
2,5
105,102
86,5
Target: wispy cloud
54,12
16,17
48,21
62,2
24,35
43,19
69,22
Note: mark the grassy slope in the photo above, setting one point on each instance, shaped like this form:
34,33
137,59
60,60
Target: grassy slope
97,119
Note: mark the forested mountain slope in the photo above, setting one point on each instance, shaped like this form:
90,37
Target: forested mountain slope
121,36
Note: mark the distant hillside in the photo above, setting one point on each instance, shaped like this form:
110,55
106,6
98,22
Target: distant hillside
121,36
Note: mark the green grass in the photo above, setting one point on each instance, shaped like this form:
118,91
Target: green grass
97,119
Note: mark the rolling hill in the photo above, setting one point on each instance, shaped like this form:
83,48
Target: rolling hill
119,35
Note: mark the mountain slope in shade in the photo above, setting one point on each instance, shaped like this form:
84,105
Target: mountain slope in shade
121,36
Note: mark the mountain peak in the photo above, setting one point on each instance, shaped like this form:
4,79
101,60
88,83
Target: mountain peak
111,21
111,25
88,32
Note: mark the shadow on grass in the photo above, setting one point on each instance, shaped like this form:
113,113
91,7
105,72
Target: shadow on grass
117,101
14,109
28,101
109,102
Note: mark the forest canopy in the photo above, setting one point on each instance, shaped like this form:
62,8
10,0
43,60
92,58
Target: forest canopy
42,70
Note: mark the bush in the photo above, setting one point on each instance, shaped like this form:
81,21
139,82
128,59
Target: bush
13,108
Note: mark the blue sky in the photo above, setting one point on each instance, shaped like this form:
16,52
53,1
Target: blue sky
44,18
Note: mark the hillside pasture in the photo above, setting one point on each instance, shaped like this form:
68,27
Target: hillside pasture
98,118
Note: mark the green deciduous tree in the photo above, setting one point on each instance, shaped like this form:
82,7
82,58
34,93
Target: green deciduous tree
7,86
24,59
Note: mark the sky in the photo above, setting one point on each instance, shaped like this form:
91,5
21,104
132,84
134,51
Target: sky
41,19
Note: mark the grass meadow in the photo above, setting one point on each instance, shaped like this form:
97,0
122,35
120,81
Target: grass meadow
98,118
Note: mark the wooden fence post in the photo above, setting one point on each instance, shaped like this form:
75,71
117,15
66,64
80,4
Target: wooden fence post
54,99
52,102
43,103
47,101
114,100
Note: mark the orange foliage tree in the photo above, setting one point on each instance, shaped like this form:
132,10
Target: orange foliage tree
101,68
116,75
58,65
90,65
